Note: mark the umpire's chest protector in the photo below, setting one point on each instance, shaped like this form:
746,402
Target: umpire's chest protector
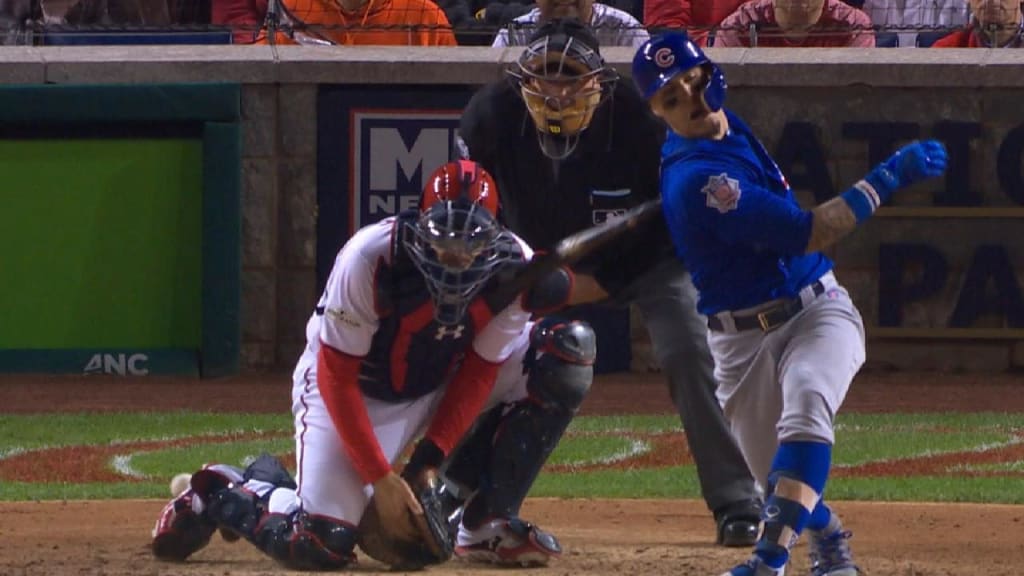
543,200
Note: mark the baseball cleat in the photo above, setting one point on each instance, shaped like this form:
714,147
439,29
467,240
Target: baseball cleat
507,542
738,524
830,555
755,567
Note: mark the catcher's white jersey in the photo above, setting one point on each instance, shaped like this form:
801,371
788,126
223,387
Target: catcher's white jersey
348,318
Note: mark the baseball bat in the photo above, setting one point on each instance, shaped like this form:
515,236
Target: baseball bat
574,247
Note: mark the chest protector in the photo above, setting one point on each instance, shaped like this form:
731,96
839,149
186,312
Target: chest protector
412,354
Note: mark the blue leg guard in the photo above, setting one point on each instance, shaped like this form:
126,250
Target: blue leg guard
797,479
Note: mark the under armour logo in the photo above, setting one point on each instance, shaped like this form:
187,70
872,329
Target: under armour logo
444,332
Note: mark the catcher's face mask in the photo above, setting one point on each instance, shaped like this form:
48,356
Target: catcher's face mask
562,82
455,246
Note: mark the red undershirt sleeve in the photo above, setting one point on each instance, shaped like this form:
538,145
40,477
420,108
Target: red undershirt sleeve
337,378
462,401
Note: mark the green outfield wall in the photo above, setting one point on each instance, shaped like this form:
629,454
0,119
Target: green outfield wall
119,229
108,237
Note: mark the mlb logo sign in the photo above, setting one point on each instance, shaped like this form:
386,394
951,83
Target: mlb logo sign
393,152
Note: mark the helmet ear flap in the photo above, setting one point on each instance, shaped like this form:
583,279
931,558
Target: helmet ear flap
714,87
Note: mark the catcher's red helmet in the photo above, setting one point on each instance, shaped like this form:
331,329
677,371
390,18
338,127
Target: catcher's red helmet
461,180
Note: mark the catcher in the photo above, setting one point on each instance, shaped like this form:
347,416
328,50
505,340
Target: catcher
406,341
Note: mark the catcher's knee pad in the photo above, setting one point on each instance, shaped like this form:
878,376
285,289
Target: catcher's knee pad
302,541
561,376
269,469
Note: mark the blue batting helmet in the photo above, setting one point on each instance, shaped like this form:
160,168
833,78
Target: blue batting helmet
663,57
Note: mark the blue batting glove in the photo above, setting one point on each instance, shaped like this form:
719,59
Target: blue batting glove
910,164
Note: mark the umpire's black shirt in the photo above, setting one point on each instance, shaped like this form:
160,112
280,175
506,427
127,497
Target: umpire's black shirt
614,167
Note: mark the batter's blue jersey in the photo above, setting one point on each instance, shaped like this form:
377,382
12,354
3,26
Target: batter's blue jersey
735,222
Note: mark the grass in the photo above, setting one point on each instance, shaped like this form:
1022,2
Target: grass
861,439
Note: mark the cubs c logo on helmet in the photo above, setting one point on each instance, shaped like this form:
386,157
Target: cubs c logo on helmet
664,57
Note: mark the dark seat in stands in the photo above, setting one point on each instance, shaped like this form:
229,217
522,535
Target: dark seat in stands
887,40
926,39
74,36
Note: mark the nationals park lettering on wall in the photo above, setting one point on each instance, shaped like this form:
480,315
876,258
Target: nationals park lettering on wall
986,285
386,150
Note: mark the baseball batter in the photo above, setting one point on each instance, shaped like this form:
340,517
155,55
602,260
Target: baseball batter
405,342
786,338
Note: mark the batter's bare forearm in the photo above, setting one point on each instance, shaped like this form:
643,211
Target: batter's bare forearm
832,220
585,289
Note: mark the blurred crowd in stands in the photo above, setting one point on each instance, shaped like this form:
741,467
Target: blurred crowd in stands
716,23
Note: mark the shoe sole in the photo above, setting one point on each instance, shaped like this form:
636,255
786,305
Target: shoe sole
844,572
524,559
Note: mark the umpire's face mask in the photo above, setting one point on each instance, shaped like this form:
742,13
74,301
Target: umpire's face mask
561,109
562,86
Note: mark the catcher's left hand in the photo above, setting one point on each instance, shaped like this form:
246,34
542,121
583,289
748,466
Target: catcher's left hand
424,540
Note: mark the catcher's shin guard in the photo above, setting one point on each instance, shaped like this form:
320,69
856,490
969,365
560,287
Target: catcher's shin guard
529,430
180,530
184,527
302,541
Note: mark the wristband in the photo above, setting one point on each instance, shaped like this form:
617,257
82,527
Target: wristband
862,199
871,192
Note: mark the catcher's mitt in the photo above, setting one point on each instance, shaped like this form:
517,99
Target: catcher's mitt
427,540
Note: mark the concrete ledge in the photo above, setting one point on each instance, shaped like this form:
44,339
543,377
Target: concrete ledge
389,65
22,65
774,67
153,64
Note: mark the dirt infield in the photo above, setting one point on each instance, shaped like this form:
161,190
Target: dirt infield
601,537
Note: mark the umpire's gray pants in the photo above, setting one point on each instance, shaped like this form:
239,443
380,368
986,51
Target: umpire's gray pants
667,299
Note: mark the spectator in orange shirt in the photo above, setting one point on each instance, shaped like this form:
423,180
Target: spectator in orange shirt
362,22
796,23
696,16
994,24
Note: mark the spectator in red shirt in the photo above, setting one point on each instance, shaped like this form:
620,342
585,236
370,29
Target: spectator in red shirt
994,24
696,16
796,23
245,17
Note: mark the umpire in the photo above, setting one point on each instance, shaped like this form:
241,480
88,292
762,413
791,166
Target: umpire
569,147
